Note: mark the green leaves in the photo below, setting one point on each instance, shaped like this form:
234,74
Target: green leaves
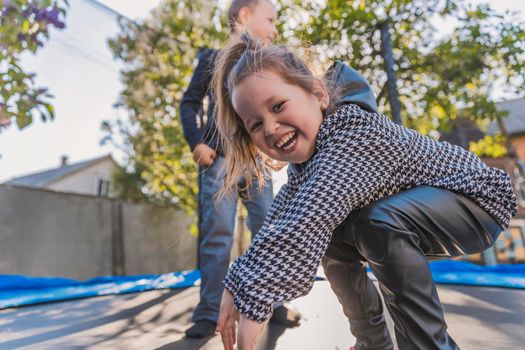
453,73
439,79
159,55
24,27
489,146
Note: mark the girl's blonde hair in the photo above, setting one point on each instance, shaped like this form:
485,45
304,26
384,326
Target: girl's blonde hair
244,56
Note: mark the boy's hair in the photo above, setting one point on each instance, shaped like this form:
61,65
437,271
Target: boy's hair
243,57
235,7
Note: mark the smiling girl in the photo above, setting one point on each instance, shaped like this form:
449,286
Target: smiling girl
361,189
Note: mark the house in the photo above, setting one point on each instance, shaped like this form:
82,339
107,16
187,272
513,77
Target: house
90,177
514,124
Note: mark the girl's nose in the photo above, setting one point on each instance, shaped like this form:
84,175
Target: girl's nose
270,128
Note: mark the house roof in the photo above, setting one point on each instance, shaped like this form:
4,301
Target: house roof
515,121
46,177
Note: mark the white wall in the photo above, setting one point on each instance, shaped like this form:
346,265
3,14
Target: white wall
85,181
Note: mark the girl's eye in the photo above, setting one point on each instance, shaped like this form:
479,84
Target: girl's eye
256,126
278,107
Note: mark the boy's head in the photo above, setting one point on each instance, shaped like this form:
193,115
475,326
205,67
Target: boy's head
257,17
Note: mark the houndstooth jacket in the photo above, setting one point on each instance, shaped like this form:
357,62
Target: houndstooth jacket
360,157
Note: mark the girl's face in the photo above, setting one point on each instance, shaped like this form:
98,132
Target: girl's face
260,21
282,119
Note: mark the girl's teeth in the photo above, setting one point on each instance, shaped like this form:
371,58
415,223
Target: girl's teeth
290,142
284,140
290,145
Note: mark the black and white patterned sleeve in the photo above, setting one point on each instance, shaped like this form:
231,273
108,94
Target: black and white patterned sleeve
276,206
281,262
231,282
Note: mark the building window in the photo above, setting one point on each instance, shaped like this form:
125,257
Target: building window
102,187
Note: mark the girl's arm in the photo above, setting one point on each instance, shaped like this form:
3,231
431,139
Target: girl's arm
231,282
281,263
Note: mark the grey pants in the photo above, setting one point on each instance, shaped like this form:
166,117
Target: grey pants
395,236
216,234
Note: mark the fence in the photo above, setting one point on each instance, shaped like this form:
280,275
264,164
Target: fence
45,233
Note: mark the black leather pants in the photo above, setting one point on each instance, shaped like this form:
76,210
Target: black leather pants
395,236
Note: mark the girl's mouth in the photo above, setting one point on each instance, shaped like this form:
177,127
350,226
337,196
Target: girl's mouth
288,142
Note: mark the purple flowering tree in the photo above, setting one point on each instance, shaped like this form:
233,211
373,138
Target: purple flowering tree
24,26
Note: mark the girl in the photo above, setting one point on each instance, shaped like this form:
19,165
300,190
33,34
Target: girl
360,189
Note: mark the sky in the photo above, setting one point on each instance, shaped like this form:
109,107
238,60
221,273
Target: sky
137,8
78,68
134,9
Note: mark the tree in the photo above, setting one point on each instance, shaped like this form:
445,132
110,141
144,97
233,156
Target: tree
159,55
490,146
437,78
24,26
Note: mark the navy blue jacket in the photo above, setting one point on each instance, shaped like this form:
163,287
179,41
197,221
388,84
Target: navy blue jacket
191,107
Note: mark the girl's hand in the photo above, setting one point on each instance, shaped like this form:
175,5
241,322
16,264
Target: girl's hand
228,315
249,331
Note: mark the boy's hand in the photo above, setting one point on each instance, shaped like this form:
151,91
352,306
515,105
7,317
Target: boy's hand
203,155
